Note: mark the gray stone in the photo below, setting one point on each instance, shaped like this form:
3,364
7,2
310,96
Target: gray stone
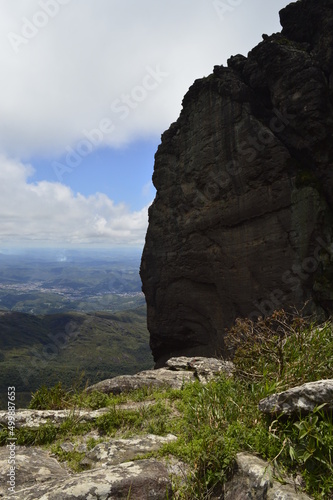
149,378
176,373
117,451
254,479
35,418
205,369
34,466
301,399
140,480
67,447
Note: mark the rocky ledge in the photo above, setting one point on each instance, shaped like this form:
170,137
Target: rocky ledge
115,468
177,372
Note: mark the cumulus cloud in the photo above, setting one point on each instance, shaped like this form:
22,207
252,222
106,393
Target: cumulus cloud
64,71
49,214
110,71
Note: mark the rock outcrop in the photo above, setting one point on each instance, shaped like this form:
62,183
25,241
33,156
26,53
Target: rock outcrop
34,466
255,478
118,467
142,479
301,399
178,371
33,419
242,220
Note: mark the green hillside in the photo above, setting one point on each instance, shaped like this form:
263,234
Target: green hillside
38,350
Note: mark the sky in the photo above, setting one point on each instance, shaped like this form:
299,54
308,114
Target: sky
87,89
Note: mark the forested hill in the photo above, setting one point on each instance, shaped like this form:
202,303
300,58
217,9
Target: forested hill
71,347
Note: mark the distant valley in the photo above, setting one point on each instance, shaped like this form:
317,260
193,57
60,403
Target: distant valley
45,282
77,320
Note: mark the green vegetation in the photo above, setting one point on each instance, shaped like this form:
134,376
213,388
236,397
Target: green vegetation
281,351
46,349
214,422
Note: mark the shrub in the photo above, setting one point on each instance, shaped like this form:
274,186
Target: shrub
281,350
307,447
55,398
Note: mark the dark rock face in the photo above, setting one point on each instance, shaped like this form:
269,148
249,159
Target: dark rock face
242,222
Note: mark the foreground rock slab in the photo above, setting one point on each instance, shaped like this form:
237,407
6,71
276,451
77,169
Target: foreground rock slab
254,478
140,480
117,451
149,378
178,371
35,418
34,466
300,399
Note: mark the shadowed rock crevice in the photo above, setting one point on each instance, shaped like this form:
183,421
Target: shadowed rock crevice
242,220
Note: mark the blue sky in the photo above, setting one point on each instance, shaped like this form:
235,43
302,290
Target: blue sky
88,87
123,174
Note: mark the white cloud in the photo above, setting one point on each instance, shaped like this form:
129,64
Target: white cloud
91,53
71,71
49,214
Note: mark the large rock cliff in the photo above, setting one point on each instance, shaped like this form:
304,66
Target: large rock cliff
242,222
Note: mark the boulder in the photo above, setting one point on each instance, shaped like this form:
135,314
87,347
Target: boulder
141,480
149,378
301,399
254,478
205,369
34,466
38,473
177,372
117,451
